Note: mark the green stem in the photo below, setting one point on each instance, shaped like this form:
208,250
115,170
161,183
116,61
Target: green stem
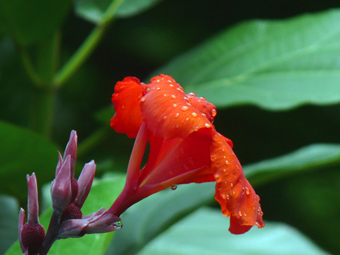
94,139
42,110
87,47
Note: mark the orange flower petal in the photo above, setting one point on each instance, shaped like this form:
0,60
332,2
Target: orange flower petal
128,117
233,191
167,110
175,158
203,106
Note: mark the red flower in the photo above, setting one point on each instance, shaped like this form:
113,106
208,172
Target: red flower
184,148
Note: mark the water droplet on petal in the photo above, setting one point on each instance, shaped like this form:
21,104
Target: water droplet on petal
228,197
240,213
176,115
142,99
196,128
164,117
174,105
171,85
224,170
194,114
173,186
247,191
158,88
227,162
165,95
231,184
173,96
147,89
158,81
191,94
184,108
213,112
207,125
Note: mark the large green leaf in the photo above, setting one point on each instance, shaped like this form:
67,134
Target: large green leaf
272,64
206,232
24,152
8,222
96,10
308,158
103,193
29,21
145,220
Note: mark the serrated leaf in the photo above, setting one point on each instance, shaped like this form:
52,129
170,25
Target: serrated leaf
96,10
24,152
30,21
102,194
272,64
206,232
308,158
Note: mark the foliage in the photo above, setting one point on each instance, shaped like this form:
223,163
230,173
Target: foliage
271,68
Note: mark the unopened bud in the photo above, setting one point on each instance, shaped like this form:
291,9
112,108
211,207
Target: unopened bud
32,237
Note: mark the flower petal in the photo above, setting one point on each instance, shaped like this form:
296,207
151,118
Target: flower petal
126,99
233,191
175,158
167,110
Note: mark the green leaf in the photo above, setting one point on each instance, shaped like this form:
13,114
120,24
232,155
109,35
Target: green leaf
308,158
96,10
24,152
103,193
272,64
206,232
9,214
149,217
30,21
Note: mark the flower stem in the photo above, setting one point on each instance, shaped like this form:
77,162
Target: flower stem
87,47
52,233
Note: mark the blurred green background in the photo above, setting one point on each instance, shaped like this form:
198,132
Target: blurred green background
143,38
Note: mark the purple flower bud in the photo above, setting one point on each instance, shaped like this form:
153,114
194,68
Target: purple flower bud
31,233
20,226
97,222
71,149
85,181
61,190
33,203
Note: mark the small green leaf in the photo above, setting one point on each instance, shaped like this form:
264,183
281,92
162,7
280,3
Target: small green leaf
206,232
308,158
9,214
24,152
102,194
272,64
96,10
30,21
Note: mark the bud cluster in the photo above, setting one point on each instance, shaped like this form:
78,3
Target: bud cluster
68,196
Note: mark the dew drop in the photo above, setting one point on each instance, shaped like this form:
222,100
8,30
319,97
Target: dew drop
174,105
247,191
207,125
147,89
227,162
173,96
228,197
173,186
187,119
194,114
142,99
216,176
165,95
213,112
184,108
237,166
185,98
118,224
240,213
171,85
231,184
244,214
164,117
158,88
203,114
224,170
158,81
176,115
191,94
196,128
223,196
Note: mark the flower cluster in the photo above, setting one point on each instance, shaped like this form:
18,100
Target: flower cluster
184,148
68,196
